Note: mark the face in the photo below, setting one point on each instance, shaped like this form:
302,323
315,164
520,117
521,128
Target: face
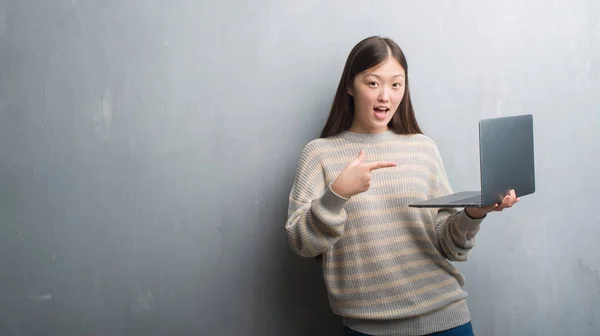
377,92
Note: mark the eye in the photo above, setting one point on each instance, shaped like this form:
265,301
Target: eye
373,84
397,85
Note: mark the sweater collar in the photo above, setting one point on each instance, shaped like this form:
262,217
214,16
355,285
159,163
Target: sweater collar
367,137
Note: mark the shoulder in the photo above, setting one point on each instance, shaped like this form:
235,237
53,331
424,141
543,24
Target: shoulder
420,142
317,147
422,139
313,155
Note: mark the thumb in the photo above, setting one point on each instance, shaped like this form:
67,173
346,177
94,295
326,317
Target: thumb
360,157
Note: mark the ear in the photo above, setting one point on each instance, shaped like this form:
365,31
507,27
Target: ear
350,91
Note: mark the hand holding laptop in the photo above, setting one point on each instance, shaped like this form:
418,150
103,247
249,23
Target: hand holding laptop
508,201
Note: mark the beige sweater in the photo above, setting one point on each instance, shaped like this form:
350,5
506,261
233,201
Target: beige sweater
385,265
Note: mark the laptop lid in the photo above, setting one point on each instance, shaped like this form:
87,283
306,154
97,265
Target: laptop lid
506,157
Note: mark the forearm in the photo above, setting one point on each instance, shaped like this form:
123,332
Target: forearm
315,226
456,235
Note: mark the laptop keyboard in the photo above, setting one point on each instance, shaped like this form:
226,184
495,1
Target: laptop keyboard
470,200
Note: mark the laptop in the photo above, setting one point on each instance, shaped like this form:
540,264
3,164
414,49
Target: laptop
506,162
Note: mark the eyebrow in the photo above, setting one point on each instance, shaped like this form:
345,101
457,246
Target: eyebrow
374,75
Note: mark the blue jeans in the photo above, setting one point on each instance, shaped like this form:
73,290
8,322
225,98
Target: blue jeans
463,330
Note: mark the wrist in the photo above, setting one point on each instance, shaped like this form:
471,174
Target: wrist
475,213
338,191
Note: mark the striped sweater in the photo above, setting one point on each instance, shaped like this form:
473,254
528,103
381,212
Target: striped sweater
386,266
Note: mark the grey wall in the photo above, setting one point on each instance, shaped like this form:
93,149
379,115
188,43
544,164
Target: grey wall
147,149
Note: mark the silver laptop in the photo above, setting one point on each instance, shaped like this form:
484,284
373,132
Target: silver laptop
506,162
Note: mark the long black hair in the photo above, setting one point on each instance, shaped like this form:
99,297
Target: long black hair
365,55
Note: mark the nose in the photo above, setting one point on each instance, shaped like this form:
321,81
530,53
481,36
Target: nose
384,95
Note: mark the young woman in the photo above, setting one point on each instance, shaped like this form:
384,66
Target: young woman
386,266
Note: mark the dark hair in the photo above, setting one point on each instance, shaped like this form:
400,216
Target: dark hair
365,55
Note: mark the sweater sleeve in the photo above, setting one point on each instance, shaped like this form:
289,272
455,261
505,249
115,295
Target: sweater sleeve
316,215
454,229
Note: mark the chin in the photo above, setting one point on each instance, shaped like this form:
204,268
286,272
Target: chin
381,124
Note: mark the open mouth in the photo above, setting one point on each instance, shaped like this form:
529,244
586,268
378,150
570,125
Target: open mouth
381,112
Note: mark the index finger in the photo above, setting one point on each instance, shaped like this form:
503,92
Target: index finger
381,164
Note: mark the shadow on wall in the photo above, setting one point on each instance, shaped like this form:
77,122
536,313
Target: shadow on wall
299,293
303,297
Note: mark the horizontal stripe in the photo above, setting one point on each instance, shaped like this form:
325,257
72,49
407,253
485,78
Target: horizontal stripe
351,263
391,311
399,158
328,149
420,235
394,213
394,298
377,273
407,227
365,289
379,243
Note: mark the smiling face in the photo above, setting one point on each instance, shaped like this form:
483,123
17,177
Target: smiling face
377,93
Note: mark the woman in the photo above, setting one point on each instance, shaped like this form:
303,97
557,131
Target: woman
386,266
